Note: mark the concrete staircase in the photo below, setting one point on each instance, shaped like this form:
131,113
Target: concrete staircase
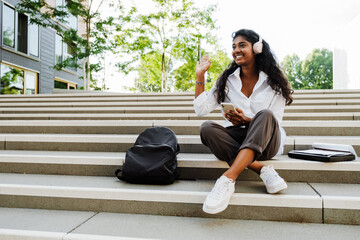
59,153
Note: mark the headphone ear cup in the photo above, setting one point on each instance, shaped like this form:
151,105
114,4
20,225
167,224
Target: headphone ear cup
257,47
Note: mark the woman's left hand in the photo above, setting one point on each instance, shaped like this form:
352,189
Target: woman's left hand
237,118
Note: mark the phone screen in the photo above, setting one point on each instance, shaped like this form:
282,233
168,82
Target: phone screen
227,106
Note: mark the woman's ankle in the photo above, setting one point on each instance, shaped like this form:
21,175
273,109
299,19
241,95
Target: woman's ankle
230,176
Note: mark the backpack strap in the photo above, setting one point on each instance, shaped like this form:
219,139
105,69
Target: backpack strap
178,149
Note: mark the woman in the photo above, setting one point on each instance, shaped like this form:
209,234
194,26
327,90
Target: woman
256,86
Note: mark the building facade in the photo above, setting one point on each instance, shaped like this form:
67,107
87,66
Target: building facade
346,56
29,52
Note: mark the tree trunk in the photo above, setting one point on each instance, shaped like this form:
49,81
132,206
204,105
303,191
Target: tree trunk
165,82
88,74
163,71
88,54
84,72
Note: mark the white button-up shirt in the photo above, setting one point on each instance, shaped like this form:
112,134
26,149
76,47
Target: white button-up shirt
262,97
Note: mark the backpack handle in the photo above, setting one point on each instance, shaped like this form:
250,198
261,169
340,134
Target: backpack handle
118,174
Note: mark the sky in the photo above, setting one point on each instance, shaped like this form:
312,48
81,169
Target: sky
289,26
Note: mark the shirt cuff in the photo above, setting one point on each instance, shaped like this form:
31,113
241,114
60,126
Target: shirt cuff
200,104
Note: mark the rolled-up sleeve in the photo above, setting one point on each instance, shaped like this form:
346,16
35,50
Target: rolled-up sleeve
205,103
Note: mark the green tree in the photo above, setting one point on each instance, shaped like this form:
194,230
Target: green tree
12,82
315,72
149,73
292,69
98,30
173,31
317,69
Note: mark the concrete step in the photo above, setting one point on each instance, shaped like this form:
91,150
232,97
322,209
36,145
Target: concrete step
349,116
97,104
65,93
168,110
140,102
95,94
301,202
74,171
103,99
180,127
325,108
327,91
191,166
327,96
327,116
128,116
98,94
326,102
122,142
90,142
183,198
72,110
75,225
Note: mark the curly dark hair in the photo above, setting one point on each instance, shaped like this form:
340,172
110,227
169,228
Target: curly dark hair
265,61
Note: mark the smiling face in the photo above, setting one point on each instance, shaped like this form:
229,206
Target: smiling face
242,51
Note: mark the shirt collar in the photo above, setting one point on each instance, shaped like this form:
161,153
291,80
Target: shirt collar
262,76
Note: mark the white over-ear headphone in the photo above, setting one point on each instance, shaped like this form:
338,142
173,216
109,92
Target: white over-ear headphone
258,46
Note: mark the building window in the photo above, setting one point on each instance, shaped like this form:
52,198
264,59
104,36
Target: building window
34,40
17,81
30,82
18,33
71,20
63,51
22,33
61,84
58,49
8,26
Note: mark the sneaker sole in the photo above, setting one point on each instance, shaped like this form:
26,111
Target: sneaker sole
217,210
277,189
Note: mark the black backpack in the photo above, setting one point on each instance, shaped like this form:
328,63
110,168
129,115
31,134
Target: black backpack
152,159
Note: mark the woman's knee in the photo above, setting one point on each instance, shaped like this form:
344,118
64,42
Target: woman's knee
211,131
265,114
206,127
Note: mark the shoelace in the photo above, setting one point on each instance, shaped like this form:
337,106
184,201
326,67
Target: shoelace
271,175
218,191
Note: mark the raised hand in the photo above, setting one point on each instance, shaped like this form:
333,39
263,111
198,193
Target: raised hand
203,66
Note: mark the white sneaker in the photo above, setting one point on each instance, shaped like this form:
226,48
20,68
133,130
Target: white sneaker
273,182
219,197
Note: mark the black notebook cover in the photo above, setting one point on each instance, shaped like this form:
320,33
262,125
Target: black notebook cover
322,155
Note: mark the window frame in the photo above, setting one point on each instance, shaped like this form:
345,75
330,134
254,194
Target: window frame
16,41
2,25
67,26
69,84
24,82
38,40
64,53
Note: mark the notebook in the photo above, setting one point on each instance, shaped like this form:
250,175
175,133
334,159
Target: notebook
326,152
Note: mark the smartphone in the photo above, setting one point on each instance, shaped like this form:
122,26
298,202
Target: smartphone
227,106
